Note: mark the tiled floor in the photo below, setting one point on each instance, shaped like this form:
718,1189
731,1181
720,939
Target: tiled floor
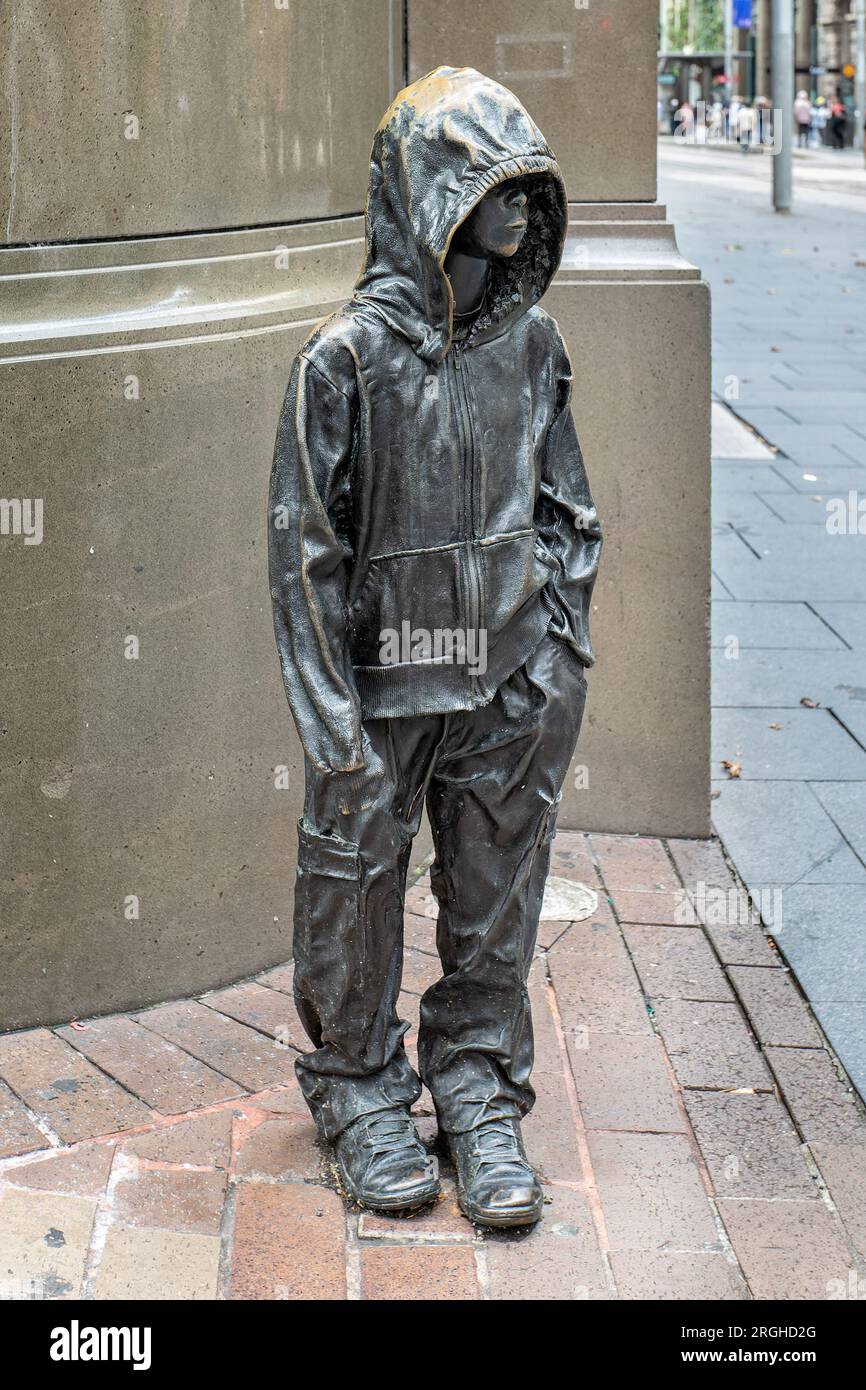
789,593
694,1135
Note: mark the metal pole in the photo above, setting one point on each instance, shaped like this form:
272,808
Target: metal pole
783,101
860,71
729,46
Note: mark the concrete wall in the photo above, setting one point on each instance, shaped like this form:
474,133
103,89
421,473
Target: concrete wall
143,356
635,317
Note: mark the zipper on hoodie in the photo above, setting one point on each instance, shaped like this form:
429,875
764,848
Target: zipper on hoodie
469,518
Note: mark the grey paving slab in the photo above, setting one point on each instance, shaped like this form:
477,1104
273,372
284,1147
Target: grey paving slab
826,400
772,625
818,412
743,508
786,545
845,802
763,677
770,421
845,1026
777,573
795,438
829,378
810,746
805,508
735,562
831,479
849,708
822,938
846,618
741,476
780,833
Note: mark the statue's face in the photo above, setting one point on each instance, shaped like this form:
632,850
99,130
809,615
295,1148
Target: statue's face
497,225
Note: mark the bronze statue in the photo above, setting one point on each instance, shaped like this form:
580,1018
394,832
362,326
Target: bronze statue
433,548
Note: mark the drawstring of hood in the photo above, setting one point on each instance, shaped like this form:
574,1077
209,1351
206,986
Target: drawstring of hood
444,142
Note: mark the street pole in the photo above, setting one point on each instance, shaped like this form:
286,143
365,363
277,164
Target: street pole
729,47
859,71
782,52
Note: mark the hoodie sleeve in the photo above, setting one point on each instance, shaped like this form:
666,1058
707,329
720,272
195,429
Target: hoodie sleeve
567,521
309,555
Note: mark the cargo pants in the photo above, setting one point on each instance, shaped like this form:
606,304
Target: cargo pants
491,778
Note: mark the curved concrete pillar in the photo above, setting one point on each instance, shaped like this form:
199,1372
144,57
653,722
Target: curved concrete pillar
147,836
146,840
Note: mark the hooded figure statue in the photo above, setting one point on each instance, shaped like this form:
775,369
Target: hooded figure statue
433,548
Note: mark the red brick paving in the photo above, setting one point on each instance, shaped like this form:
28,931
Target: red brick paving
689,1126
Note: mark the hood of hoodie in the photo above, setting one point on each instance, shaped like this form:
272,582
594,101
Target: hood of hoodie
444,142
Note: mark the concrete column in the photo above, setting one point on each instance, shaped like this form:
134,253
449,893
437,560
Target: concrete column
762,30
804,18
147,831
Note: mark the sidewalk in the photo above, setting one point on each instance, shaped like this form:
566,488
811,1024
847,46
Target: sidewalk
789,594
695,1137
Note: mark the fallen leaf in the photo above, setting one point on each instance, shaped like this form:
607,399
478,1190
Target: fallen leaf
79,1027
775,349
733,769
775,726
810,704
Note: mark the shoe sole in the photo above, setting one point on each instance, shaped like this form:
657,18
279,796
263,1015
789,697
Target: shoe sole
520,1216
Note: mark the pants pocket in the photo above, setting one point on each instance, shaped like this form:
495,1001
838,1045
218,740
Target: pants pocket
329,940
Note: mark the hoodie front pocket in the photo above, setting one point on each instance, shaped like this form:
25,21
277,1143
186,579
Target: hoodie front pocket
409,592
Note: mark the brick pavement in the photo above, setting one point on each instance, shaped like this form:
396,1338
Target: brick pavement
695,1136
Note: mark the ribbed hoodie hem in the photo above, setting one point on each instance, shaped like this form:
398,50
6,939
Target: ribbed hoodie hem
423,687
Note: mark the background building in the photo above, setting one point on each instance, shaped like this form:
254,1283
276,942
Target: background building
692,55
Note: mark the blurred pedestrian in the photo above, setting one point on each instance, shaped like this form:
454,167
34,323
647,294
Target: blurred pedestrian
803,117
838,125
820,114
745,127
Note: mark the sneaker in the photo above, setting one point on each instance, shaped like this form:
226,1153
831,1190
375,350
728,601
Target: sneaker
383,1163
496,1185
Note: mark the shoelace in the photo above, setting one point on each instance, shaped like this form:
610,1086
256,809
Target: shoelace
388,1132
494,1140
